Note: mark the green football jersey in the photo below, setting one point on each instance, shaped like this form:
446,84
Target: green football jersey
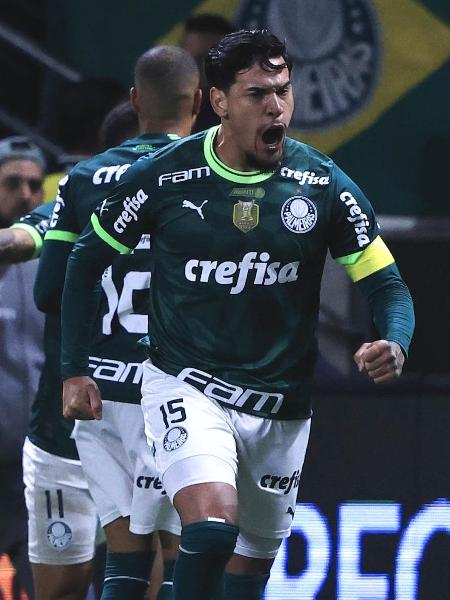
122,301
237,265
50,432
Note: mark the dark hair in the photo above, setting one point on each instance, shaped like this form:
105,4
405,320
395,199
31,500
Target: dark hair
208,23
165,67
119,124
241,50
166,76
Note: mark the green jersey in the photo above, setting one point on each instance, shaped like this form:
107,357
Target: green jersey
121,313
237,265
48,428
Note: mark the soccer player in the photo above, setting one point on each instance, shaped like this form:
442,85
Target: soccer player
241,218
62,519
117,462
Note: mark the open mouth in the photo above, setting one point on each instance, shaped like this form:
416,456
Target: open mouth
273,135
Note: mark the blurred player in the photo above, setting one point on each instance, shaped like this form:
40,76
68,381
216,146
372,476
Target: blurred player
118,464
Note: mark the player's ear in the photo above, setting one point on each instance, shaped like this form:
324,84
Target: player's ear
219,102
197,101
134,99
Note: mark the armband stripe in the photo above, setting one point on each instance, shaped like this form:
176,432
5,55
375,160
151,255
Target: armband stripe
37,238
374,258
61,236
108,239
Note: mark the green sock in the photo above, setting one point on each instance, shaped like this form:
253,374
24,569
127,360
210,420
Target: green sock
240,587
126,575
205,548
166,589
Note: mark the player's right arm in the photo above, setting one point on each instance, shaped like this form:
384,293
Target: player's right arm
115,227
23,240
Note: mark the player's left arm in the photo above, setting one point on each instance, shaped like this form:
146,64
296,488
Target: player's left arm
377,276
23,240
358,246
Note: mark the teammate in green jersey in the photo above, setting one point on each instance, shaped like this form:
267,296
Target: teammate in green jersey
241,218
117,462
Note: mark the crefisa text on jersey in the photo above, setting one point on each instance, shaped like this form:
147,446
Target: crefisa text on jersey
357,217
305,177
106,174
131,206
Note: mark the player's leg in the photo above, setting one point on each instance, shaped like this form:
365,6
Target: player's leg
196,454
152,511
62,582
271,455
128,561
109,467
61,525
169,544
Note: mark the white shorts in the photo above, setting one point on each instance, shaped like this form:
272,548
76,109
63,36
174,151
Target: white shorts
120,470
261,458
62,519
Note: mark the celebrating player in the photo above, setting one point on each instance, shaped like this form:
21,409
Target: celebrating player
241,218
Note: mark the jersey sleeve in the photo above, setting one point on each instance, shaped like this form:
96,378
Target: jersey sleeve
122,218
353,225
36,223
63,231
391,305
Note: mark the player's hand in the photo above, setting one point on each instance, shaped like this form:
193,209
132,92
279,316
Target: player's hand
81,399
381,360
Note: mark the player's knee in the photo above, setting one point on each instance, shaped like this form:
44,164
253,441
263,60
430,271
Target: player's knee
257,547
209,537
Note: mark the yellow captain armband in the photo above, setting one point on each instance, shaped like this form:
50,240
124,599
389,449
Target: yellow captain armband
362,264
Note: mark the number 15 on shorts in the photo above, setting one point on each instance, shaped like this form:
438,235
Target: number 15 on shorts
173,412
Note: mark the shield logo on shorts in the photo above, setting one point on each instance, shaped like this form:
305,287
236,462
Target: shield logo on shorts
59,535
174,438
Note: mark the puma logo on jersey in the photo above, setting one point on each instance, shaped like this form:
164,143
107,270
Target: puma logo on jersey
189,204
103,208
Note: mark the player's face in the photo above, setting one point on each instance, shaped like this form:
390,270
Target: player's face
255,112
20,188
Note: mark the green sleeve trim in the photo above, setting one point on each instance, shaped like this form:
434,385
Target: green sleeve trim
104,235
37,238
350,259
224,170
61,236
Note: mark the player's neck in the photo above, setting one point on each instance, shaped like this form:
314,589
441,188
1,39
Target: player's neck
227,152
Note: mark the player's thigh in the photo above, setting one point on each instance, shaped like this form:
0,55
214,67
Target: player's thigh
271,456
62,518
191,435
151,508
107,461
53,582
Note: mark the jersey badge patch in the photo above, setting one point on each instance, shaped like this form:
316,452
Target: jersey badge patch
299,214
174,438
246,215
59,535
